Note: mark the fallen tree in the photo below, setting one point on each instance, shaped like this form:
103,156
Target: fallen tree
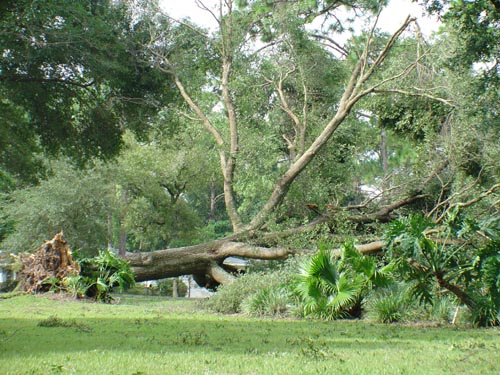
368,77
52,269
306,121
206,262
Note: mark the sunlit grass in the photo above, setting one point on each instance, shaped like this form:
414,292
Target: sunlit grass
163,336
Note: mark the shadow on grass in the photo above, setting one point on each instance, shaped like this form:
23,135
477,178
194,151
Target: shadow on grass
43,336
232,335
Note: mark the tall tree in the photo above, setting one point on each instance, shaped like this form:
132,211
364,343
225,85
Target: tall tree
297,108
138,202
73,77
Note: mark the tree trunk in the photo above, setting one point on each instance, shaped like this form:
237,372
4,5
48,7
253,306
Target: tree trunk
123,243
206,261
122,250
383,152
175,288
457,291
213,201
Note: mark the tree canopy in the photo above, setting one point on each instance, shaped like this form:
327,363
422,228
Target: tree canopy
72,77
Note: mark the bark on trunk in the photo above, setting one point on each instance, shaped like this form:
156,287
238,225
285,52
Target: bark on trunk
213,197
123,243
205,261
459,292
383,152
175,288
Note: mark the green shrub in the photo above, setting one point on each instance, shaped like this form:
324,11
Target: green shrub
75,285
389,305
228,298
442,309
487,312
9,285
332,287
101,274
468,268
268,301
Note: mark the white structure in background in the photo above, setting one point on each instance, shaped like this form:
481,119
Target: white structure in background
194,290
6,272
371,191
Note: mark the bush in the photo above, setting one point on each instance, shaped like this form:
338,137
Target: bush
8,286
101,274
389,306
271,302
442,309
332,287
228,298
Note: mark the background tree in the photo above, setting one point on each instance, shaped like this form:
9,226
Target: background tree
145,193
73,77
66,201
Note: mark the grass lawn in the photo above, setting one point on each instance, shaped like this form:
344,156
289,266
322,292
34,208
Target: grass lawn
163,336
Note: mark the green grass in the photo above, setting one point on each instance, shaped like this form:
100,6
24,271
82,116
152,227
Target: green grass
163,336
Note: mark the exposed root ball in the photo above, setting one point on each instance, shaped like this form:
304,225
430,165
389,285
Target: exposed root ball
51,261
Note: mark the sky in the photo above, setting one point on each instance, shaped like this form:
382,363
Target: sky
389,21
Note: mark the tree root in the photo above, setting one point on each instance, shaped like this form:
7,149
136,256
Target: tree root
52,261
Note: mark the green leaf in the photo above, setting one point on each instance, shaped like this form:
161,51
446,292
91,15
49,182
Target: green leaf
348,291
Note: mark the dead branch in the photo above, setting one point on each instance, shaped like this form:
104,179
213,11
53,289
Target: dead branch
371,248
335,46
383,214
414,93
481,196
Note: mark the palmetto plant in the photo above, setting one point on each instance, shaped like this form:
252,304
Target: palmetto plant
390,304
332,287
267,301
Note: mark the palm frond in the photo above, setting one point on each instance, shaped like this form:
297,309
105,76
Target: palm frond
348,291
422,289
